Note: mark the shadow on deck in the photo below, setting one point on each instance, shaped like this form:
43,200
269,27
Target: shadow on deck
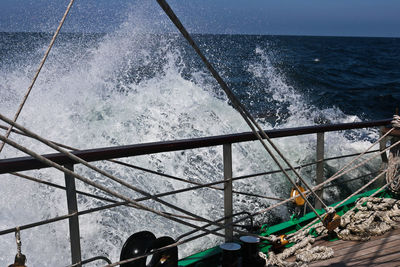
379,251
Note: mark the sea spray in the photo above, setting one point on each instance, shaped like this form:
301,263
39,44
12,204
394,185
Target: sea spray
131,87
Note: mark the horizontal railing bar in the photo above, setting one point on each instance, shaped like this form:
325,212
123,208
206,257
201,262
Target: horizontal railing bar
92,260
209,185
351,155
32,225
300,166
88,211
257,195
99,197
63,217
33,179
351,180
29,163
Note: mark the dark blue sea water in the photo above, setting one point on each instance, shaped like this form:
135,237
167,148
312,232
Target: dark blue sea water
126,87
359,76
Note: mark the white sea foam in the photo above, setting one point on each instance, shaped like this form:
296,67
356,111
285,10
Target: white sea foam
93,104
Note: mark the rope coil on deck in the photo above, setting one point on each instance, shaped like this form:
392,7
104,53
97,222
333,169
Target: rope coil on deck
393,165
371,216
374,216
396,121
303,251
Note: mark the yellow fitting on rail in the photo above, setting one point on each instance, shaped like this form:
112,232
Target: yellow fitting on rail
298,201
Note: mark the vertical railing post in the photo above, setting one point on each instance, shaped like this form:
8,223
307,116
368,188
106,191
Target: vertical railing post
382,145
74,220
228,199
320,166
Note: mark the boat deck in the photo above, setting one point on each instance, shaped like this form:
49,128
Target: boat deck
378,251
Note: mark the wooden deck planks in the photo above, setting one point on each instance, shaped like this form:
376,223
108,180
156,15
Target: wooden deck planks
379,251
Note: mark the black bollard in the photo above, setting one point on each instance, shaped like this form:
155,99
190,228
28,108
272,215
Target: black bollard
230,254
250,252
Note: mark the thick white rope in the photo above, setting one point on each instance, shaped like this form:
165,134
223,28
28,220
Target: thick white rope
396,121
341,172
304,231
392,176
375,216
394,162
319,186
38,71
304,252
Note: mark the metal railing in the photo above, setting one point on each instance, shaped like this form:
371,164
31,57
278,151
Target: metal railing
14,165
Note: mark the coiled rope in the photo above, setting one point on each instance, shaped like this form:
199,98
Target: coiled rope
374,217
396,121
303,251
370,216
394,161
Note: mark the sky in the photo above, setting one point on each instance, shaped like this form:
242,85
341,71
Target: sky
378,18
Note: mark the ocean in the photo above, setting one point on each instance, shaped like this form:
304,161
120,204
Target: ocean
126,87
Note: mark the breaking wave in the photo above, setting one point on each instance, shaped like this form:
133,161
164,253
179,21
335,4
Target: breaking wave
131,87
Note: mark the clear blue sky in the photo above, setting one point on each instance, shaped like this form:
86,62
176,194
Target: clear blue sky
286,17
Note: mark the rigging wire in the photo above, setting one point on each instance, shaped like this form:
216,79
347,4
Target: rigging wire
209,185
247,116
262,211
105,189
319,186
95,209
241,109
80,160
101,187
38,70
187,240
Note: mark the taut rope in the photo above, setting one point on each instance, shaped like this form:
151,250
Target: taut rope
38,71
392,176
240,108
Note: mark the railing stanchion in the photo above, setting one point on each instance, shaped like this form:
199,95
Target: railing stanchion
228,199
382,145
74,220
320,166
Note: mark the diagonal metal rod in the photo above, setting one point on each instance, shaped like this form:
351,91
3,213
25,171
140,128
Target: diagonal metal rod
141,169
209,185
101,187
38,70
87,181
241,109
319,186
30,178
306,192
80,160
304,228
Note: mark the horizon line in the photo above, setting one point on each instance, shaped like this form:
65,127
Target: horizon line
227,34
